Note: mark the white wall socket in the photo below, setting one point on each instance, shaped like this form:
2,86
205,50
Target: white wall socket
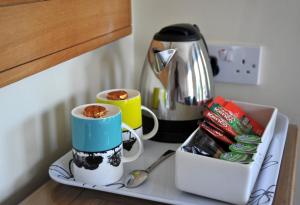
237,63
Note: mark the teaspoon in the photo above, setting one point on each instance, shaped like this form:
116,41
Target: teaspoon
137,177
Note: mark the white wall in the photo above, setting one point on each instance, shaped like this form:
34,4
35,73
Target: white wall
34,113
273,24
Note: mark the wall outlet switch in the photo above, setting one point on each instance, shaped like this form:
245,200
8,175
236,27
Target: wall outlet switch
237,63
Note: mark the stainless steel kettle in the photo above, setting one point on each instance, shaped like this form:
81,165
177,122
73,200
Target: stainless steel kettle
176,81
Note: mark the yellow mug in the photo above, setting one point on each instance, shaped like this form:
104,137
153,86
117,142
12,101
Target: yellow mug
131,109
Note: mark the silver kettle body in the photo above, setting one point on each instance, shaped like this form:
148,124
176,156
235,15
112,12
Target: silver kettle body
177,79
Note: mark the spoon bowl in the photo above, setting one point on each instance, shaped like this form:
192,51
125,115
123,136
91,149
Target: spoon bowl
136,178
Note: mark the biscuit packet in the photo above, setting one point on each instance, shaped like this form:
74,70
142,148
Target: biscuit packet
233,121
220,122
244,125
216,133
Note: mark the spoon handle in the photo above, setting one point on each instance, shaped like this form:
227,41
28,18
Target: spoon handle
162,158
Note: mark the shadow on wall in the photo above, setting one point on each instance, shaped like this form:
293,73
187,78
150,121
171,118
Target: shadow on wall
43,138
108,71
49,137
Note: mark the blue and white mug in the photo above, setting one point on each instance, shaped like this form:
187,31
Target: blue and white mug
97,146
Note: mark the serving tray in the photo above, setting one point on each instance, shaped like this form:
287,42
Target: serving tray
161,186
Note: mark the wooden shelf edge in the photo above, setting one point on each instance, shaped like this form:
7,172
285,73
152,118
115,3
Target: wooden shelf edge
17,73
284,193
63,194
6,3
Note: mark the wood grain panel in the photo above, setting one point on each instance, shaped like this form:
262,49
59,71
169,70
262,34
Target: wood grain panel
95,197
30,68
53,193
17,2
52,29
287,177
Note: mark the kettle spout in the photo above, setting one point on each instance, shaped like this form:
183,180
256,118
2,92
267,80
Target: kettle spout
163,58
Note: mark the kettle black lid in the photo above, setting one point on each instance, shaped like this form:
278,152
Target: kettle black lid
179,33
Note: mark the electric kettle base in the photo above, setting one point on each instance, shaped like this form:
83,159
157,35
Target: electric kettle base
170,131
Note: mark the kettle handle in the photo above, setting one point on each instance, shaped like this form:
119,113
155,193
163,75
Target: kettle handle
197,27
213,59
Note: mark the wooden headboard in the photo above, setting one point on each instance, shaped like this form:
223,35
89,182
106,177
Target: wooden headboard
37,34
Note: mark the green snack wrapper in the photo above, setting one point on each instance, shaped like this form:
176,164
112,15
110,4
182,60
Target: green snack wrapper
243,148
237,157
248,139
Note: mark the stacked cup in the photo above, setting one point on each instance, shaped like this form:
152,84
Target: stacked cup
97,144
129,101
102,131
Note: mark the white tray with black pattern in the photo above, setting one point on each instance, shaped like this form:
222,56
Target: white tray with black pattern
161,186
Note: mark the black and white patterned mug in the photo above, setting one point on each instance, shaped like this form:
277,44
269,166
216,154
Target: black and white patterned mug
97,146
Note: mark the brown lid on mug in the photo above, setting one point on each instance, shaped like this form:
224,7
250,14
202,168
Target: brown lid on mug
94,111
117,95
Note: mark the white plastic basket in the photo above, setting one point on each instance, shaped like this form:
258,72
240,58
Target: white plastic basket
223,180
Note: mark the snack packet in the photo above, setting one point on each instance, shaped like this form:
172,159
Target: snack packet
248,122
215,133
219,100
117,95
195,150
245,119
248,139
220,122
237,157
243,148
211,124
234,122
204,145
94,111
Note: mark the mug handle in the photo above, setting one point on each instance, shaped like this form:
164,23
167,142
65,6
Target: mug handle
141,148
155,128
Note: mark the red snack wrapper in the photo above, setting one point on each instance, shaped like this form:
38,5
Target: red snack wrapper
236,110
220,122
214,126
219,100
215,133
232,120
245,119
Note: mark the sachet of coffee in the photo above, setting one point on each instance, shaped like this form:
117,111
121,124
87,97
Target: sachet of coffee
215,132
220,122
232,120
204,145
